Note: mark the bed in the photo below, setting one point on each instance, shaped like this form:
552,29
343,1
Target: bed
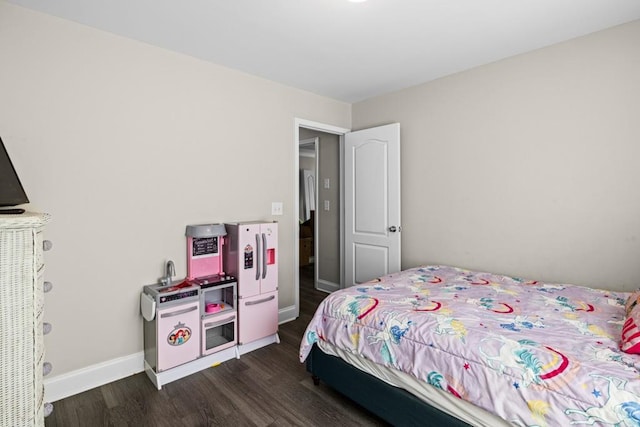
460,347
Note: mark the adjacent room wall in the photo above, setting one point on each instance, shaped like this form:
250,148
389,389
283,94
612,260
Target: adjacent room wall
329,220
527,166
125,144
328,258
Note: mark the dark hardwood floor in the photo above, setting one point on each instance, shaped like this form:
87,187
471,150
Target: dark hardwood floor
267,387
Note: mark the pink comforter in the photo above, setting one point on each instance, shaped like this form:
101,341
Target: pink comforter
530,352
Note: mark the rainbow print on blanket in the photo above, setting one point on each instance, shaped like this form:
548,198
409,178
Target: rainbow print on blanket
532,353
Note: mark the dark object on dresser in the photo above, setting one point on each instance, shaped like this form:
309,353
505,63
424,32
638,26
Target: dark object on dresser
11,190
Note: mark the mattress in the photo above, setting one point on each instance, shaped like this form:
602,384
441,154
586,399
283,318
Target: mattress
528,352
433,396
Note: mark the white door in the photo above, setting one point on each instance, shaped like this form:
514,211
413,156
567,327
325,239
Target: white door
372,203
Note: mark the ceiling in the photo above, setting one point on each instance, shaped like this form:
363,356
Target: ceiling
343,50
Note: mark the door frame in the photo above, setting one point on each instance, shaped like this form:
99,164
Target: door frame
322,127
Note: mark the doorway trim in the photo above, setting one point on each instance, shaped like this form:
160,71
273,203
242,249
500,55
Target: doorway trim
322,127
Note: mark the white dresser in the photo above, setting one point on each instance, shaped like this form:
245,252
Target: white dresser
22,326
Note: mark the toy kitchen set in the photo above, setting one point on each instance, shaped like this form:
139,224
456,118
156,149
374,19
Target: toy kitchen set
212,316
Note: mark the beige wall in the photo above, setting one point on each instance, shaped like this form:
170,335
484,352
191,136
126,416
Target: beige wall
527,166
125,144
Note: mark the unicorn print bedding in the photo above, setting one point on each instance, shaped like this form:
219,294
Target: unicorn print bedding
531,353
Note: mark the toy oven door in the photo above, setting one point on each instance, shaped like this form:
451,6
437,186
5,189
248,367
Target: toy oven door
219,332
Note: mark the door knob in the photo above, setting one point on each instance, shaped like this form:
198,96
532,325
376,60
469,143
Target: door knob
393,229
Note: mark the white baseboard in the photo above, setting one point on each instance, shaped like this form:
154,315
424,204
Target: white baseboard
84,379
287,314
74,382
327,286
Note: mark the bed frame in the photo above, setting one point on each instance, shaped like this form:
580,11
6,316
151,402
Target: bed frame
392,404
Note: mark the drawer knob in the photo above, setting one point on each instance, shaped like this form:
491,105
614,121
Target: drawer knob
46,328
48,409
47,367
47,245
47,286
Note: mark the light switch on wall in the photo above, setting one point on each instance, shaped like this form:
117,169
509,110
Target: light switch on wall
327,184
276,208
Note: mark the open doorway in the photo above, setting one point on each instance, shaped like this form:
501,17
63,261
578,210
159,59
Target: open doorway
320,194
319,232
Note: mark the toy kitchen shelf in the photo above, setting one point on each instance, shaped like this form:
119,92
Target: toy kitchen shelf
217,297
218,300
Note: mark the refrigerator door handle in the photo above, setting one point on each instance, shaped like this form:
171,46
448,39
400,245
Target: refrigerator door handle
260,301
257,261
264,255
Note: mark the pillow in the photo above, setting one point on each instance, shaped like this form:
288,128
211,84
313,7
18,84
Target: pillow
630,342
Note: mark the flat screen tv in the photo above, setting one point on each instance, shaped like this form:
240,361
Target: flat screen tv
11,190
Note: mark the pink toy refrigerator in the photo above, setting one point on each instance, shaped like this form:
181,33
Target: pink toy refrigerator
251,256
